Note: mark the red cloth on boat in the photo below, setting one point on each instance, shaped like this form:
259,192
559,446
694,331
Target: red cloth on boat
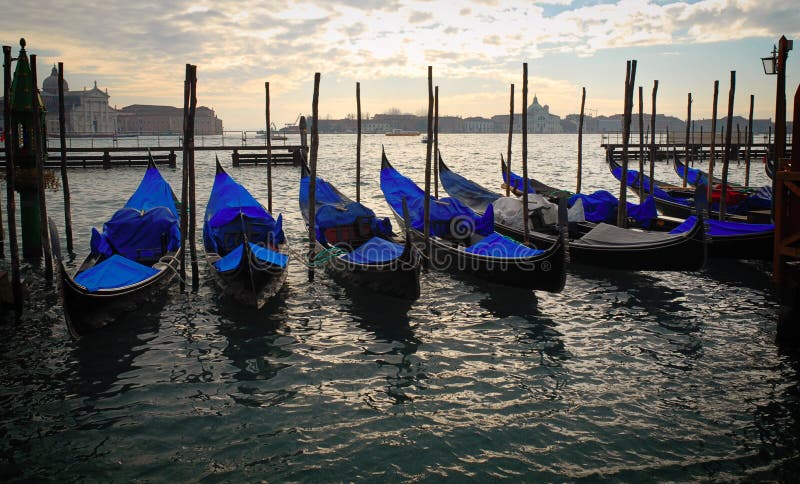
732,196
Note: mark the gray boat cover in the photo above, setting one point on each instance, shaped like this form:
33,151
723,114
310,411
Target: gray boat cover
508,211
605,234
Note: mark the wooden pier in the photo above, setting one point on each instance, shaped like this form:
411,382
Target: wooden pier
109,157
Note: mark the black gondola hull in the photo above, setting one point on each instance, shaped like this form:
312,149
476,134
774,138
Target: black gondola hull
86,311
251,284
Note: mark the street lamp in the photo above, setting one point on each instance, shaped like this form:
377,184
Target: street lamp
771,62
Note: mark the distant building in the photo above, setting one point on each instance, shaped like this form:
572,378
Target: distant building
86,112
478,125
539,120
150,119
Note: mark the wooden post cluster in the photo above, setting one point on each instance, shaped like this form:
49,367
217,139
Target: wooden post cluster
11,203
62,134
524,153
726,158
510,137
269,150
426,211
713,146
358,142
188,179
312,181
630,79
580,140
40,143
653,134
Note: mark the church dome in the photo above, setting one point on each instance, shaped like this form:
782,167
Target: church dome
50,84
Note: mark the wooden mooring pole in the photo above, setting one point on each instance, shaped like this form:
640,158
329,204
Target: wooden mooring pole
641,144
686,142
269,149
426,204
723,203
40,147
436,142
712,148
510,138
185,181
192,190
358,142
653,135
62,135
11,202
524,152
749,142
580,141
312,180
630,79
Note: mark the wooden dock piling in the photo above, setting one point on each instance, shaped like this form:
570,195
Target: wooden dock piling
630,79
524,154
686,150
436,142
62,136
653,134
268,132
641,142
712,154
723,203
358,142
426,210
184,221
510,137
749,142
192,190
11,202
312,180
580,141
40,145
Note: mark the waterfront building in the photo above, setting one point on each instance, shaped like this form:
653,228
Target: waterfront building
151,119
478,125
86,112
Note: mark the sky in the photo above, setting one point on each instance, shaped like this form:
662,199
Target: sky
138,51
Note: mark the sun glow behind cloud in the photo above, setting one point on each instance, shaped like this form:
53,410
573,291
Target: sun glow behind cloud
138,49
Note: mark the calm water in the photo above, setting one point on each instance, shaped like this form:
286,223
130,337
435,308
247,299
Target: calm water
623,376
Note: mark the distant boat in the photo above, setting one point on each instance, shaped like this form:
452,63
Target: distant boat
424,139
263,134
401,132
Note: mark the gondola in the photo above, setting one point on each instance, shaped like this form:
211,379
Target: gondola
726,239
134,256
461,241
602,245
696,176
360,248
245,246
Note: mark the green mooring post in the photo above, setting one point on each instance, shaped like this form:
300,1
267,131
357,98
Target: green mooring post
26,111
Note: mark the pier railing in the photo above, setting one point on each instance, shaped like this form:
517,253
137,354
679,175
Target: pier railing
247,138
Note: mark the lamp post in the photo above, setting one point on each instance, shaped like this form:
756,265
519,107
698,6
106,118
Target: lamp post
776,65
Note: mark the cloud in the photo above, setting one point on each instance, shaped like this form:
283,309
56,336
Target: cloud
418,17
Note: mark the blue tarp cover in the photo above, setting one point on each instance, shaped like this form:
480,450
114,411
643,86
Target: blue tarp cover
333,210
114,272
375,251
601,206
718,228
231,210
694,177
475,196
136,230
263,254
517,182
633,182
443,211
495,245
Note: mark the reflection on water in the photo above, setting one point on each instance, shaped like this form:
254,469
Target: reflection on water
623,376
